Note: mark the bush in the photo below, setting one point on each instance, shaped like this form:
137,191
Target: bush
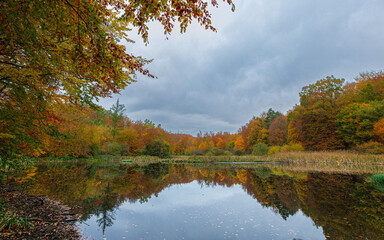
274,149
139,152
260,149
197,152
158,148
238,152
370,147
113,149
217,151
292,148
227,153
210,154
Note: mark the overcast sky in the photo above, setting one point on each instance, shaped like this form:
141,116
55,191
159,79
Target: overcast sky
260,57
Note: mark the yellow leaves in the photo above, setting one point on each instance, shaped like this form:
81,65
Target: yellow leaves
242,175
6,135
203,146
239,143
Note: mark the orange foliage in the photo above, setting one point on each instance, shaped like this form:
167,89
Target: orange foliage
378,130
239,143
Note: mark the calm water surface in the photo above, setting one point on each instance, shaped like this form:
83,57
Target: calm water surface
164,201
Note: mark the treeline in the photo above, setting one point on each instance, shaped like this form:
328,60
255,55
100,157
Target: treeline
331,115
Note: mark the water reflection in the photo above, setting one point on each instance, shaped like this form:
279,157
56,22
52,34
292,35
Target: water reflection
158,201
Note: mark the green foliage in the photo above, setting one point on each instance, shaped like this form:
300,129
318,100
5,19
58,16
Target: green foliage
116,115
367,94
263,172
355,123
274,149
148,123
327,89
269,117
231,145
217,151
158,148
377,181
316,125
227,153
260,149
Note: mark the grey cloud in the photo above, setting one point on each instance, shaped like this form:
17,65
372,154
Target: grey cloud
260,57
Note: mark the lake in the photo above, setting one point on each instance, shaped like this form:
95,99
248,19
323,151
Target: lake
216,201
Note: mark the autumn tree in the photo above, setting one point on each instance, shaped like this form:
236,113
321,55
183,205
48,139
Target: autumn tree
158,148
356,121
239,144
70,51
328,89
278,131
318,128
256,132
370,86
294,125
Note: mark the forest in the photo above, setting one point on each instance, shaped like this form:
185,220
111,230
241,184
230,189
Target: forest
331,115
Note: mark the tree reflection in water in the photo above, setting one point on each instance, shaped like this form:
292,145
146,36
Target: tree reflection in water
346,206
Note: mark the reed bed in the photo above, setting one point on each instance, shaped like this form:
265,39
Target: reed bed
328,157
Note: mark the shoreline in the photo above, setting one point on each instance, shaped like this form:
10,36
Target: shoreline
50,219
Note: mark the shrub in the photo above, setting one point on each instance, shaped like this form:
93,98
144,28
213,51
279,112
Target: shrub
158,148
238,152
139,152
292,148
210,154
274,149
260,149
227,153
113,149
217,151
197,152
370,147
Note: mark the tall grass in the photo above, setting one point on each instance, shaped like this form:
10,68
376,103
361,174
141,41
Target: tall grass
322,160
329,157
